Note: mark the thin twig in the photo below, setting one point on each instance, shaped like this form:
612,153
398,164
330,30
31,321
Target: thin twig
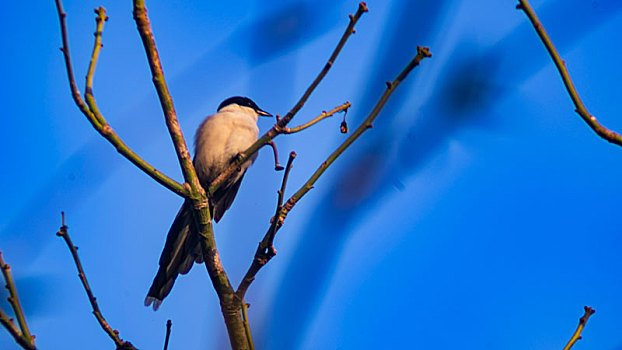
265,250
341,108
282,123
247,326
582,321
7,322
277,165
113,334
264,253
22,336
97,45
580,108
95,118
169,324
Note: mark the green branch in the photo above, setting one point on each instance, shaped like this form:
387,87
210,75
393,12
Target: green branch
22,335
582,322
92,113
580,108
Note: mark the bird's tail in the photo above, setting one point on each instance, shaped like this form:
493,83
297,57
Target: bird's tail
181,250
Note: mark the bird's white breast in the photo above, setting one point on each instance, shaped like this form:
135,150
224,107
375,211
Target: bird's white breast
221,137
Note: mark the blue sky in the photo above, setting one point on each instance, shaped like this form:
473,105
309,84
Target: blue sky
480,212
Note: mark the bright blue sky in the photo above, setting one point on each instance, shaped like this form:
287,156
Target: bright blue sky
480,212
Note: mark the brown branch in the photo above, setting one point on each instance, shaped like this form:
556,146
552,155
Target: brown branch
113,334
282,123
166,101
22,335
92,113
266,251
341,108
169,324
582,321
277,165
580,108
229,305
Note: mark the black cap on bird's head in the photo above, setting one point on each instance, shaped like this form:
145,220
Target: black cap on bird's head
244,102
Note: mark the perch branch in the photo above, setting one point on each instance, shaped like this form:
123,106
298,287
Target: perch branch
95,118
266,252
282,123
582,321
22,335
113,334
229,305
580,108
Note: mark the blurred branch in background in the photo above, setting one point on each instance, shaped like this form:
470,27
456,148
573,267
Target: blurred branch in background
22,335
582,321
112,333
599,129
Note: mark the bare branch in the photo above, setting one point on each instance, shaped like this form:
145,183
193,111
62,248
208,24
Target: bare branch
580,108
282,123
113,334
247,327
166,101
229,306
582,321
277,165
22,335
94,116
169,324
341,108
266,251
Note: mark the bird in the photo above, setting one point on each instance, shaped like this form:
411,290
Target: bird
220,138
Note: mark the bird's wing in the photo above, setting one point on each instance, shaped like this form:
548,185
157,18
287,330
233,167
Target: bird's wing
223,198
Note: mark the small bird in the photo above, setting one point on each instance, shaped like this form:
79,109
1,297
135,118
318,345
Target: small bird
220,138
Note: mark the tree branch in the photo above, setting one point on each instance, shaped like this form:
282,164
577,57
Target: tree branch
94,117
341,108
113,334
266,251
22,335
229,305
169,324
582,321
580,108
282,123
166,101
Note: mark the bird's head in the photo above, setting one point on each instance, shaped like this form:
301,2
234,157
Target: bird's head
245,104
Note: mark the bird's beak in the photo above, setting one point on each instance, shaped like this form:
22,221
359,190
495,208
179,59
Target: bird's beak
263,113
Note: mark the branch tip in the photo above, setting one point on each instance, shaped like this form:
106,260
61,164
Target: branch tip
599,129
